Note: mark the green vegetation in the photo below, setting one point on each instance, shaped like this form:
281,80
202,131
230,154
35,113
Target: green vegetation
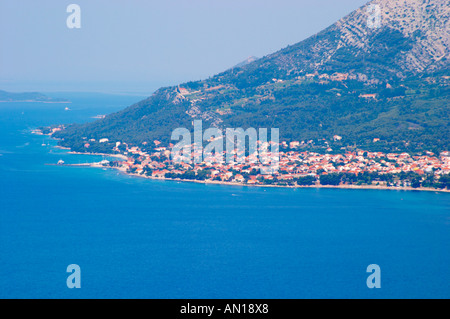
403,179
302,112
359,93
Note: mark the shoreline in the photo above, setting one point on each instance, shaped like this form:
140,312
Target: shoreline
370,187
206,182
123,157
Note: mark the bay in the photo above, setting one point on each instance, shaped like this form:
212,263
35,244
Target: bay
139,238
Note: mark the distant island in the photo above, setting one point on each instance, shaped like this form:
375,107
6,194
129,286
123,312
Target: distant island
29,97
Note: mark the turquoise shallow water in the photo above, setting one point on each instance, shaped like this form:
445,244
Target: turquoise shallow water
138,238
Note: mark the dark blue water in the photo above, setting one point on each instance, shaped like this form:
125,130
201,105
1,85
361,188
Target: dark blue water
137,238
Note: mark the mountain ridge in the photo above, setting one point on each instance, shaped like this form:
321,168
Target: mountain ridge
362,83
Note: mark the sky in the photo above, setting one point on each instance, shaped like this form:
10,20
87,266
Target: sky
137,46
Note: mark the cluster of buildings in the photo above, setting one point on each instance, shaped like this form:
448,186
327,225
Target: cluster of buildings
291,165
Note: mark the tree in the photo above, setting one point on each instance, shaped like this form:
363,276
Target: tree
330,179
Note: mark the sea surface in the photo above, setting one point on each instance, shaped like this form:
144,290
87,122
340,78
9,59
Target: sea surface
139,238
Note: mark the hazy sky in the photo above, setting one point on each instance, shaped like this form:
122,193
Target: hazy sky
138,46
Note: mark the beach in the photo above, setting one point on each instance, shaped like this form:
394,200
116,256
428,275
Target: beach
372,187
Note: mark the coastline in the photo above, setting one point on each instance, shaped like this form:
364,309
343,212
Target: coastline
206,182
123,157
372,187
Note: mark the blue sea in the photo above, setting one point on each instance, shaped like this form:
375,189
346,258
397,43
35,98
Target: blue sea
139,238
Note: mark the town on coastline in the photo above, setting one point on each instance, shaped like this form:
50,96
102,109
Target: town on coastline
296,168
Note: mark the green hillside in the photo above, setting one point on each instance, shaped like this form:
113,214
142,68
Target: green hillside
390,84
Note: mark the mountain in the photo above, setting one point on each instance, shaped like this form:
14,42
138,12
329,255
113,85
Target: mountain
27,97
379,84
